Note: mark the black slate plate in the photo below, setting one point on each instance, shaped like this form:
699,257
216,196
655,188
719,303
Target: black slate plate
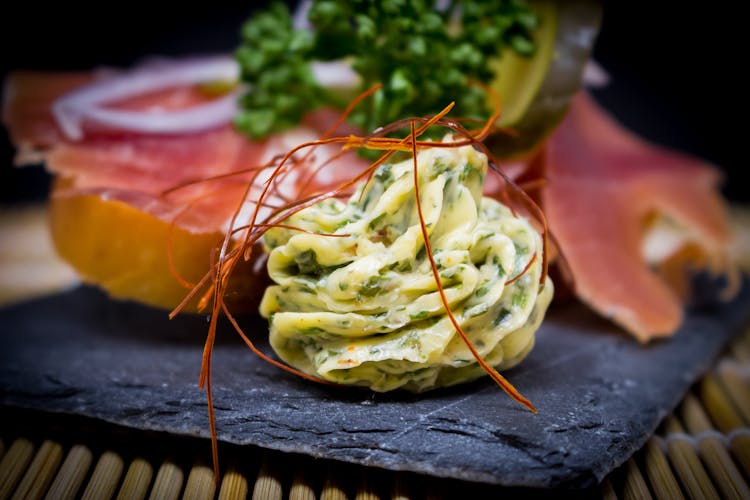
598,392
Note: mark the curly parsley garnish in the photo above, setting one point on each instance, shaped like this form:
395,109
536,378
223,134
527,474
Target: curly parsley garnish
421,52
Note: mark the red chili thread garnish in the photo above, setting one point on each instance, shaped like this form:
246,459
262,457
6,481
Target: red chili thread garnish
491,371
227,253
533,208
523,271
533,185
186,209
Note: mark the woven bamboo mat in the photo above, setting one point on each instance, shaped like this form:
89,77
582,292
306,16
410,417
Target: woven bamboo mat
702,450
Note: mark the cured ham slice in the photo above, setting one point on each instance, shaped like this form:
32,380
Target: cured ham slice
123,200
603,185
139,168
145,167
27,101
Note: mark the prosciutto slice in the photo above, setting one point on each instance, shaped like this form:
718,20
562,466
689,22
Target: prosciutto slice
603,184
181,178
27,99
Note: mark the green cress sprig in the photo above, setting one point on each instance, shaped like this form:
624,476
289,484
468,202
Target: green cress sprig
422,56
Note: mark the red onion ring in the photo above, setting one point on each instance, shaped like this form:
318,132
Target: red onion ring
86,103
334,74
595,76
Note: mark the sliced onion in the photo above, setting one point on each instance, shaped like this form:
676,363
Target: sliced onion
299,17
595,76
86,104
334,74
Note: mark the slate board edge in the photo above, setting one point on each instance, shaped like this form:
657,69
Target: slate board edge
735,325
584,480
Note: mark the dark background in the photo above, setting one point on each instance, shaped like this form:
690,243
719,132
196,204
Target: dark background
675,68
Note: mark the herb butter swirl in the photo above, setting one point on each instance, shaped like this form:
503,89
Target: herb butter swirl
364,308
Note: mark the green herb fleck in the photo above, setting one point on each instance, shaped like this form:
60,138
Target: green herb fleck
504,314
500,269
371,287
405,266
518,300
520,249
312,330
465,172
384,175
307,263
376,222
438,168
448,274
419,315
410,341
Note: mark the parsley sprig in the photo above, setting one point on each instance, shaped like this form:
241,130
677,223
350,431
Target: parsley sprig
424,56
